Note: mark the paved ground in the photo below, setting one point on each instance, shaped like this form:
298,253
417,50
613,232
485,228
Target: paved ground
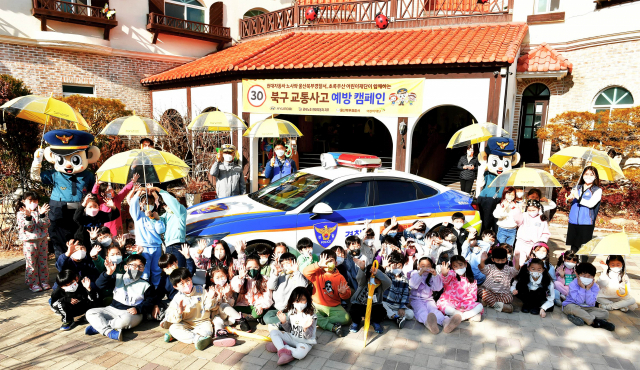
29,337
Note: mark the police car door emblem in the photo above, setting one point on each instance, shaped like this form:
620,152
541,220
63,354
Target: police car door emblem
325,233
210,209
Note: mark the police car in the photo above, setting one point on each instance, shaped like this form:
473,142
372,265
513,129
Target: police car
328,204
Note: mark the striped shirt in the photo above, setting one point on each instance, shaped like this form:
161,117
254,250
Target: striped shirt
498,281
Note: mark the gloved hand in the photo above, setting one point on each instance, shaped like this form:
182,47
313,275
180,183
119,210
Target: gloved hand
38,156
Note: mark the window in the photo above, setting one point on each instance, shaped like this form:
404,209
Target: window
353,195
68,6
546,6
253,13
394,191
190,10
290,191
68,90
613,98
427,191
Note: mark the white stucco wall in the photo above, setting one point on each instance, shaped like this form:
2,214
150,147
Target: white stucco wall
219,96
169,99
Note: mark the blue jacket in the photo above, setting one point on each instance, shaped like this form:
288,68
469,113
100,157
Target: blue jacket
585,209
63,185
165,288
474,259
174,219
85,267
349,270
148,231
280,170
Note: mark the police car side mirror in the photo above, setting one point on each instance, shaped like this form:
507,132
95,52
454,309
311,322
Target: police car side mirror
321,209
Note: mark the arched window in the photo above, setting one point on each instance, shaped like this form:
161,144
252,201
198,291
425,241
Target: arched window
254,12
210,109
190,10
613,98
537,90
172,121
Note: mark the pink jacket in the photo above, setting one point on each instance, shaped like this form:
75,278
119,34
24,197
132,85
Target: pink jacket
115,225
531,229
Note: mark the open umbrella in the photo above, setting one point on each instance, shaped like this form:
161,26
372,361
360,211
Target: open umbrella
273,127
154,166
367,317
216,121
575,158
134,126
525,177
475,133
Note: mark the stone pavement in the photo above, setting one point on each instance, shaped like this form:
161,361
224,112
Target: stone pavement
29,338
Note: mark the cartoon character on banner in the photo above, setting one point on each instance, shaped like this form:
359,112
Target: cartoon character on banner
394,98
71,153
402,95
412,98
499,155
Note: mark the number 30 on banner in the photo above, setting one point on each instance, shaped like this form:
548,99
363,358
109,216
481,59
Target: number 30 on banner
256,95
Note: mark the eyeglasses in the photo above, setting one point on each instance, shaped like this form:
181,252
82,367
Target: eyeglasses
137,267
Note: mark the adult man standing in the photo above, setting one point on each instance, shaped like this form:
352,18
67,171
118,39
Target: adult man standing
279,166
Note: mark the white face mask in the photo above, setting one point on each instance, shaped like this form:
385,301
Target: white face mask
616,269
279,153
368,242
144,207
306,252
115,259
461,271
533,213
536,275
105,242
569,265
71,287
418,235
221,282
263,261
219,255
299,306
586,281
339,260
457,225
32,206
541,255
227,157
78,255
519,194
396,272
132,231
91,212
589,179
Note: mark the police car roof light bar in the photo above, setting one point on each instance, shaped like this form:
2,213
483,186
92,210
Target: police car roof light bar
356,160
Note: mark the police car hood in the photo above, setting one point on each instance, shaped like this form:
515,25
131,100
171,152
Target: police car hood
208,218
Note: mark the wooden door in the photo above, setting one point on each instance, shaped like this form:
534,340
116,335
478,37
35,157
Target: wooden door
534,116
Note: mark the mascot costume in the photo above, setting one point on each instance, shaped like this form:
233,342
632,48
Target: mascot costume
71,153
499,156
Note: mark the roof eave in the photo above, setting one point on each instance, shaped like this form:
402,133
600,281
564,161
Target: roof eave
548,74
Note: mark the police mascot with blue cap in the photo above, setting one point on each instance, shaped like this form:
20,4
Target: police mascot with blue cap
499,155
71,153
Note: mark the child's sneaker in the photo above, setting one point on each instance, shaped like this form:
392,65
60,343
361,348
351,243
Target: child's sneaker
51,307
244,325
35,288
603,324
624,309
115,335
507,308
67,325
45,286
377,328
432,323
575,320
337,329
89,330
164,324
202,343
401,321
270,347
168,338
450,323
354,328
498,306
223,340
284,356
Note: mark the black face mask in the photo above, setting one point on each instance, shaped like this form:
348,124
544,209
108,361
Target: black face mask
500,266
355,252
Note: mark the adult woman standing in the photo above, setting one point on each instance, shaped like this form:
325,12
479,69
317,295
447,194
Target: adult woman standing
468,163
228,173
585,203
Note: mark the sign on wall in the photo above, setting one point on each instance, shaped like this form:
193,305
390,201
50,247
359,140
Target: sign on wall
335,97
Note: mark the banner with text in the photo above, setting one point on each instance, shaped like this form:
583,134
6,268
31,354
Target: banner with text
335,97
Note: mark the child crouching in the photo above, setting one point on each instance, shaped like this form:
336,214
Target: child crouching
71,299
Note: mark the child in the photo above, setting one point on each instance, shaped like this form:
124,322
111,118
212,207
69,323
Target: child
299,328
458,301
504,214
33,230
368,247
565,274
132,296
532,227
130,229
77,260
496,290
89,215
357,250
149,229
286,278
472,250
306,257
410,252
190,313
174,219
220,255
265,253
278,250
580,305
104,192
395,299
541,251
113,254
329,289
614,287
388,246
439,242
101,240
348,268
218,278
254,298
417,231
534,287
391,229
423,282
366,276
71,299
458,221
168,263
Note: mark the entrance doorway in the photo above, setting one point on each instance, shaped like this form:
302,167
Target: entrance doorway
535,102
429,156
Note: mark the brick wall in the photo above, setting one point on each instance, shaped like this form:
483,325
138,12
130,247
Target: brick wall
45,70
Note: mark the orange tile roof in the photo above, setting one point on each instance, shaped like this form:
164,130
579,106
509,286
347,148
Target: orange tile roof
296,50
543,59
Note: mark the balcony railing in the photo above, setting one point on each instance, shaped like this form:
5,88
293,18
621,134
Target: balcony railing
65,11
361,14
159,23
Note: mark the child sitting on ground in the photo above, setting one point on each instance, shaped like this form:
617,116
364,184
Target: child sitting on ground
472,250
417,231
265,254
534,287
218,278
219,254
368,245
298,321
580,305
458,301
191,312
278,250
457,222
168,263
423,282
306,257
286,278
396,298
565,274
355,248
329,289
101,240
77,260
496,290
614,287
254,298
347,267
369,275
33,230
71,299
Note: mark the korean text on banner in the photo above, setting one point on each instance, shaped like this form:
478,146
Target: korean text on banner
335,97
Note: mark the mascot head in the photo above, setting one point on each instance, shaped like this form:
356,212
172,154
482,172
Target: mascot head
499,154
71,151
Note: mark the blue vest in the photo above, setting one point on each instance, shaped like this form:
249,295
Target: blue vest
281,171
582,215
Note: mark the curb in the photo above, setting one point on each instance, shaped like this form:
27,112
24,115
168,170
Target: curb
11,270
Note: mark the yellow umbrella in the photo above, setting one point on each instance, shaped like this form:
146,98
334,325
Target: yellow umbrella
134,126
367,317
617,243
475,133
575,158
529,177
273,127
153,166
216,121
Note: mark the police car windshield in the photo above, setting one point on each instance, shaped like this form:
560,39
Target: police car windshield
290,191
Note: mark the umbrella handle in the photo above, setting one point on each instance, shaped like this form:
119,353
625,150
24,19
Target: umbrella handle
626,291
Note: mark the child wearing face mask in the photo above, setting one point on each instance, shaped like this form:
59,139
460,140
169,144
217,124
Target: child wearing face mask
254,297
458,301
33,230
346,266
580,305
472,250
191,312
535,288
391,229
174,219
368,244
219,279
278,250
72,297
456,226
286,278
219,254
532,227
101,239
519,196
89,216
424,281
298,321
103,191
265,254
614,287
168,263
306,257
76,259
417,231
439,241
130,229
357,250
396,298
565,274
366,276
495,291
504,214
132,297
410,252
148,230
